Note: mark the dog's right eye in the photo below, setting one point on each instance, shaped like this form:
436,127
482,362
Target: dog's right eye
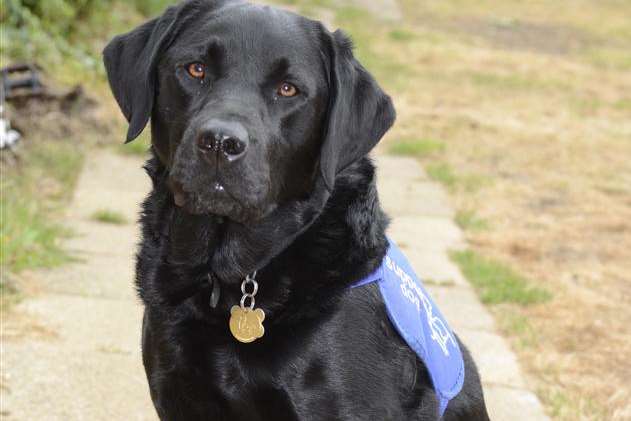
287,90
196,70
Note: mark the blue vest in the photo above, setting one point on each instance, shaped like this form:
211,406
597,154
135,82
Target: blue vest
419,322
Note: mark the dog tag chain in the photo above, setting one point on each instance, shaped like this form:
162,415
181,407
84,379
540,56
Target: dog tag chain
246,322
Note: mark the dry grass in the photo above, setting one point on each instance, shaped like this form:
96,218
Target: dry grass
531,104
534,98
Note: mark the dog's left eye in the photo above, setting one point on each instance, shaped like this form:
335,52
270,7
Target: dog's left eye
196,70
287,90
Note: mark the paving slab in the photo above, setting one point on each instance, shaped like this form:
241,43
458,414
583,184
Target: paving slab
413,197
496,362
462,307
94,276
509,404
115,240
425,233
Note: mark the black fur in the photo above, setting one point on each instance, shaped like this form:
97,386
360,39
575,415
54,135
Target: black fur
316,226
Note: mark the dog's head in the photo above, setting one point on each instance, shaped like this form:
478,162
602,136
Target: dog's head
249,105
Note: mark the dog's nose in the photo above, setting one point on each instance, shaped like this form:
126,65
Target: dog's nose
228,138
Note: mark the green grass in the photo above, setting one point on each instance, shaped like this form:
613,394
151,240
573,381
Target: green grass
138,147
469,221
442,173
563,406
401,35
417,147
558,402
353,16
32,194
367,32
471,183
109,217
609,58
29,240
497,283
623,104
65,37
518,326
586,106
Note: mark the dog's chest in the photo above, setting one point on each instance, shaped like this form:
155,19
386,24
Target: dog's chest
324,374
304,390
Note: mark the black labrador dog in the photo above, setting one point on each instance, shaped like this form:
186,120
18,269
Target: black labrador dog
261,121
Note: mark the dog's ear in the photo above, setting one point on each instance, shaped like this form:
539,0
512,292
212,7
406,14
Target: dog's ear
359,112
130,62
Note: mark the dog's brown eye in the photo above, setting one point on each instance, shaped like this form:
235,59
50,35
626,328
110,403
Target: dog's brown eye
196,70
286,89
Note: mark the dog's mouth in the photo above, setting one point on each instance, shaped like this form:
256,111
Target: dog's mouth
181,197
217,200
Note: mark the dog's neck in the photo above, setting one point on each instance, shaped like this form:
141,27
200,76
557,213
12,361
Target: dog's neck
345,242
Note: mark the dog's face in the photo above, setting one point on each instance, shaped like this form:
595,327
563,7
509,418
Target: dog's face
249,104
243,95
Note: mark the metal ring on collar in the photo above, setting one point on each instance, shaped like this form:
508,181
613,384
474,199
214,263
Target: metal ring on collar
251,297
255,287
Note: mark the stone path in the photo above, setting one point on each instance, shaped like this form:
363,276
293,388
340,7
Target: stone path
422,225
72,350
